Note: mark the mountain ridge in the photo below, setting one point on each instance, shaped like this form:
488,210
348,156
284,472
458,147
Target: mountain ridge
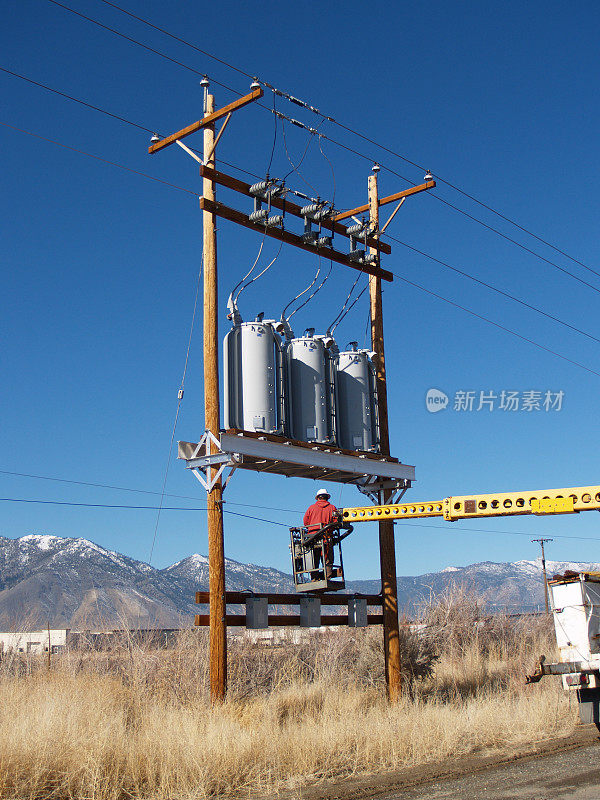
75,583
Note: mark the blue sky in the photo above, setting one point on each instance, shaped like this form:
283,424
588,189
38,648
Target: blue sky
99,265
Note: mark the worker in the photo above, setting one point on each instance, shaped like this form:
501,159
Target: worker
321,513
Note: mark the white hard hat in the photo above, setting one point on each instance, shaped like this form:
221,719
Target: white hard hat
323,491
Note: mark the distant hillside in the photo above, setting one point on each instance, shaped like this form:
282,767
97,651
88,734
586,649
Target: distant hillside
75,583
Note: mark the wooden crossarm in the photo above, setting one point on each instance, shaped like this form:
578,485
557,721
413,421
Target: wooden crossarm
207,120
290,208
385,200
291,238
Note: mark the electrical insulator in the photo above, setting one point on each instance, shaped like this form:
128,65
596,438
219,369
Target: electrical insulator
259,188
308,211
354,230
258,216
324,241
321,214
357,255
274,221
180,394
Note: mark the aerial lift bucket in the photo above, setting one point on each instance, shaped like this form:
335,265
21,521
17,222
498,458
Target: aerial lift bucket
317,561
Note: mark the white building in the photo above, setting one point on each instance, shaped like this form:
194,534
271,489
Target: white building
34,642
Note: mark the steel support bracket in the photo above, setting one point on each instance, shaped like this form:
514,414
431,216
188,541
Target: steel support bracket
203,461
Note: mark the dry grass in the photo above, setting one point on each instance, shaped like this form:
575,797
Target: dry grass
137,722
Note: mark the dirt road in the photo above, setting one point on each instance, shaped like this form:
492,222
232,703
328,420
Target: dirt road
565,768
571,775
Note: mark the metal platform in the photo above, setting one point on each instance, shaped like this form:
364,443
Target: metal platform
276,455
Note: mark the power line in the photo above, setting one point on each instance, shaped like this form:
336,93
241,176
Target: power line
400,277
321,135
99,158
171,185
137,491
488,530
496,324
135,508
270,521
493,288
108,114
346,128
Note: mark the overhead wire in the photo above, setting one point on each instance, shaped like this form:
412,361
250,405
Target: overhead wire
493,288
342,126
333,325
331,139
406,280
496,324
317,290
180,394
99,158
296,167
136,508
261,273
107,113
138,491
308,288
175,186
271,521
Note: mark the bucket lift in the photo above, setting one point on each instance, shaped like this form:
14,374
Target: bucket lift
313,570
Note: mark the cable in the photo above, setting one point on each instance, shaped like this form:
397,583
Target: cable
332,172
251,270
98,158
496,324
112,115
308,288
334,141
167,183
351,306
135,508
75,99
180,394
337,320
262,272
493,288
270,521
488,530
295,167
274,140
422,288
316,291
138,491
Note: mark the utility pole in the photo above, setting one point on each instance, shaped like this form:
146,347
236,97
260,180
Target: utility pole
214,499
387,550
541,542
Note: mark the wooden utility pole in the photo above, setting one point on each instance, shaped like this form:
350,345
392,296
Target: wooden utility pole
541,542
214,500
387,551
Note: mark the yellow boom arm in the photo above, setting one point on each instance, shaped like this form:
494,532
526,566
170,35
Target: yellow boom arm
505,504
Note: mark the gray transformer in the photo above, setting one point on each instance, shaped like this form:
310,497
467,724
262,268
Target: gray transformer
356,400
253,378
309,381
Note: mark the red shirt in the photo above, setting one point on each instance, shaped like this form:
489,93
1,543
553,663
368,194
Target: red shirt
320,513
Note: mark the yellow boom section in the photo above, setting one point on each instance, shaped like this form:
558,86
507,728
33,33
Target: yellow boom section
504,504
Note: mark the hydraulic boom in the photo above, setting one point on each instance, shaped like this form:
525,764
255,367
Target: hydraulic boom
504,504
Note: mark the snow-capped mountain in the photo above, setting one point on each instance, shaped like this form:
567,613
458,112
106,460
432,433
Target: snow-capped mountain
512,587
78,584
